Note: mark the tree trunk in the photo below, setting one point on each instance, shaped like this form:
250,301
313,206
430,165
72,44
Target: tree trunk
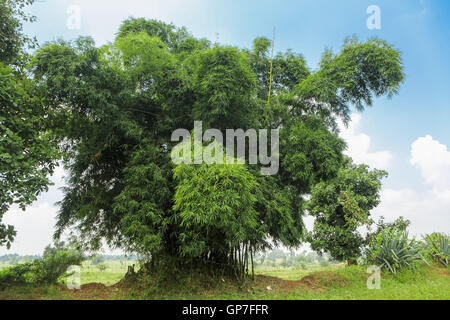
352,262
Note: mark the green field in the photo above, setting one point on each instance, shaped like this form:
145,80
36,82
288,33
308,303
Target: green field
334,282
113,274
90,273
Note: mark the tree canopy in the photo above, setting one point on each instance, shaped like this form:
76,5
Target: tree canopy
13,41
120,103
340,206
27,148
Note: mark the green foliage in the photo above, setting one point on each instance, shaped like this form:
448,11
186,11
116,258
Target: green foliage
215,212
208,224
437,248
21,274
289,68
7,234
48,270
352,77
56,265
340,207
281,212
400,224
27,150
224,86
311,153
118,105
23,174
102,267
393,250
12,40
177,39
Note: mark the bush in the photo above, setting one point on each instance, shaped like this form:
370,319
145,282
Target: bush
25,273
437,248
56,266
47,270
300,265
392,250
102,267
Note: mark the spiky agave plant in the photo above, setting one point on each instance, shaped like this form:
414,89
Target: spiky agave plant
393,250
438,247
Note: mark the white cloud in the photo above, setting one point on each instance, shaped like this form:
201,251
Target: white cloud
359,146
429,211
433,160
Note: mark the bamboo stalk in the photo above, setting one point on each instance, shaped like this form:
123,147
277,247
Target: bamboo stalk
253,267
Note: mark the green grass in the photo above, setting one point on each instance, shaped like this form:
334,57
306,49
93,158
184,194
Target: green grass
425,283
114,273
332,282
30,293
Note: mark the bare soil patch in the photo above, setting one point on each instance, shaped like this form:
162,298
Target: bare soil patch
316,281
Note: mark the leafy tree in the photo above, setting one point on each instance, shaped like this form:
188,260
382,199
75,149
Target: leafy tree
340,207
12,40
27,149
176,39
57,259
102,267
289,68
121,103
400,224
46,270
224,85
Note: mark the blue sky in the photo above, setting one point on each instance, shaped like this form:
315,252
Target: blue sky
408,135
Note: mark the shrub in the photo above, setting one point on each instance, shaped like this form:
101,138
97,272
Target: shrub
21,274
437,248
102,267
392,250
47,270
300,265
56,265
